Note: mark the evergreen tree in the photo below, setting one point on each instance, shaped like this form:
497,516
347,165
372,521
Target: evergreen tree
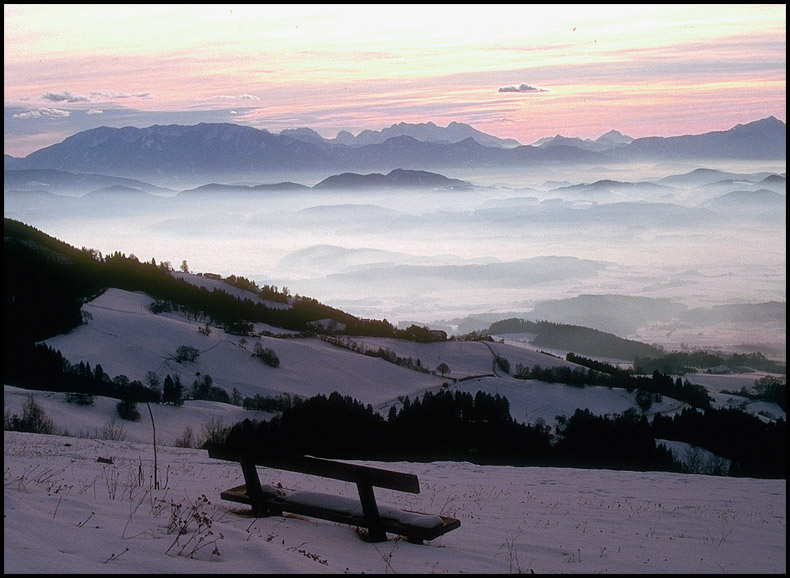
178,395
127,409
168,390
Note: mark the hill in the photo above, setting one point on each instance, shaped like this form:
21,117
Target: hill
241,191
574,338
746,200
124,327
66,183
398,178
618,314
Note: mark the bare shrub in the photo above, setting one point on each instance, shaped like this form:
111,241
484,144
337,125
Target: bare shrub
214,431
266,354
33,419
186,353
111,431
187,439
192,527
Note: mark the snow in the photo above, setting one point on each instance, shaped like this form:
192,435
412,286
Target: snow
66,512
353,507
93,421
127,339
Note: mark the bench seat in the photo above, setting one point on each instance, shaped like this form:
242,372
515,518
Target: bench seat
416,526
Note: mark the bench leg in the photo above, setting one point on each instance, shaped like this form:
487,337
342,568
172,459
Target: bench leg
254,490
370,509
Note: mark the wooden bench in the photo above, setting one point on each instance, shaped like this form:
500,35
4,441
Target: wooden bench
365,513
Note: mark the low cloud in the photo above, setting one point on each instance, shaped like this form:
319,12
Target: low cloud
95,111
103,94
42,113
522,88
65,96
235,97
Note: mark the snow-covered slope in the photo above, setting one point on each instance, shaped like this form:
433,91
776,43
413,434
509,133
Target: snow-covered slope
65,512
127,339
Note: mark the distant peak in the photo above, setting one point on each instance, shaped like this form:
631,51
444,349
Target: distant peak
769,121
615,136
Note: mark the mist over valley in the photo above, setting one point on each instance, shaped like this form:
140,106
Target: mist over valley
652,236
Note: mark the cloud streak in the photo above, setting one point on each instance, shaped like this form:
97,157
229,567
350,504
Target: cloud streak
99,95
43,113
104,94
65,96
244,96
522,88
318,67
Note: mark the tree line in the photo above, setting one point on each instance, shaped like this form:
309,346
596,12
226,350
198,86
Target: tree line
603,374
574,337
448,425
444,425
35,263
692,361
44,368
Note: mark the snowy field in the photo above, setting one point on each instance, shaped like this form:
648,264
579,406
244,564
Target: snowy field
127,339
66,512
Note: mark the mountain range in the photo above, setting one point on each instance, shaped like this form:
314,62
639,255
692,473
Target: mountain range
426,132
610,140
214,150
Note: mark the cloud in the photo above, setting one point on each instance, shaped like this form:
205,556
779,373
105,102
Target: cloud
523,88
234,97
65,96
95,111
42,113
103,94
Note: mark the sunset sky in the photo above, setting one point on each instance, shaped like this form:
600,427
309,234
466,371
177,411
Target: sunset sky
515,71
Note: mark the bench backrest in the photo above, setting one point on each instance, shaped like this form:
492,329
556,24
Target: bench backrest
324,468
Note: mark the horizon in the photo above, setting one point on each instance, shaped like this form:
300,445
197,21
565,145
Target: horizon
520,72
546,137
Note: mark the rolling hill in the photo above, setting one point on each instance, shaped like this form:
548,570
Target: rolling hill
117,327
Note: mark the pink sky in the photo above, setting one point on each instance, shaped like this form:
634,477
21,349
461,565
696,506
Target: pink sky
644,70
